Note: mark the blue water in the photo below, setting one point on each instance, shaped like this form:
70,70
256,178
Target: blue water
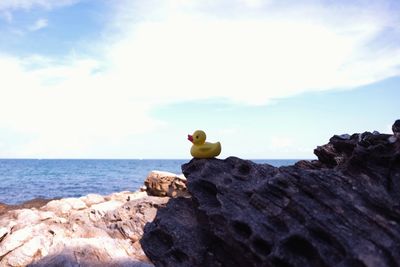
25,179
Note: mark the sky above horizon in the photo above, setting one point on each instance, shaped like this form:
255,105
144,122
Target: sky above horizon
269,79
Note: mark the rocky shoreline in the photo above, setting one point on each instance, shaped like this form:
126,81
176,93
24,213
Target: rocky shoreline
340,210
92,230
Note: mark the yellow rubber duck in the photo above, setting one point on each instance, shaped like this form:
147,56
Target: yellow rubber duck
202,149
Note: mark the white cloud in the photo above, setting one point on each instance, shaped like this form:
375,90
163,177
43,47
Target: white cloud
281,142
254,3
177,51
65,107
7,16
248,60
39,24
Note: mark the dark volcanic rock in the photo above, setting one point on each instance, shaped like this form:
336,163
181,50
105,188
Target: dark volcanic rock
396,128
342,210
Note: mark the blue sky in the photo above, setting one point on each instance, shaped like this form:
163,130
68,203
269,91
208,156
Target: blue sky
130,79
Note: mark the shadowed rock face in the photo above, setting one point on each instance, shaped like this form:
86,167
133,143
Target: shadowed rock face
340,210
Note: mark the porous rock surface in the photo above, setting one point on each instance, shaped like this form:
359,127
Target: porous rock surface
93,230
340,210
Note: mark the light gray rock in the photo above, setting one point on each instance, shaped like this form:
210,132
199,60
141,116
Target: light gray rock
15,239
75,203
92,199
23,255
87,231
98,210
28,216
92,230
44,215
58,206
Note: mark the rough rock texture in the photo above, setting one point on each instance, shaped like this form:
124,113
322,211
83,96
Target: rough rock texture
340,210
89,231
396,128
159,183
34,203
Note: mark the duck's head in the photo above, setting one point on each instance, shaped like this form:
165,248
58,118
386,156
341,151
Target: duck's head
198,137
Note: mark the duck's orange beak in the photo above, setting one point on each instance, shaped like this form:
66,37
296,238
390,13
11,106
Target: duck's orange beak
190,138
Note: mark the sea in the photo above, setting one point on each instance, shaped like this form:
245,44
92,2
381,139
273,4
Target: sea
25,179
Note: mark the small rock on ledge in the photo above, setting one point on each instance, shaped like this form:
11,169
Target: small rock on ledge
159,183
